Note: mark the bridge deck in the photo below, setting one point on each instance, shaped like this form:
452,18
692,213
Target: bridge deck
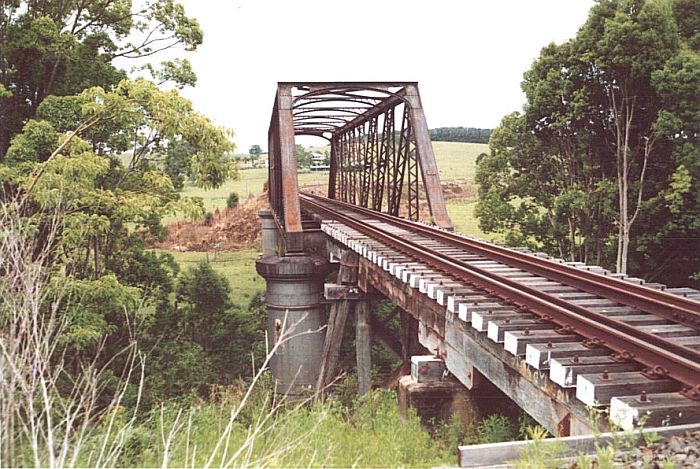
552,372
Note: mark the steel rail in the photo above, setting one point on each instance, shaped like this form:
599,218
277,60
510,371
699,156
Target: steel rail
663,358
672,307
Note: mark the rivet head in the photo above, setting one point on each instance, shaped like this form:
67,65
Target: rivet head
575,359
526,331
643,397
549,345
605,375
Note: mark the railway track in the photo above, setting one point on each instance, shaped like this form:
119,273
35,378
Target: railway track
618,342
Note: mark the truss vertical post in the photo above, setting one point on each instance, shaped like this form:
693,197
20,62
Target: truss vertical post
352,167
364,173
389,144
274,169
341,167
288,160
333,174
371,159
413,189
344,168
400,161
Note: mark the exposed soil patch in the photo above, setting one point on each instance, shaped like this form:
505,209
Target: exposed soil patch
234,229
230,229
458,189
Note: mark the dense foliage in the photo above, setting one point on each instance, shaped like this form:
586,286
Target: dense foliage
603,164
460,134
107,209
303,157
90,164
62,48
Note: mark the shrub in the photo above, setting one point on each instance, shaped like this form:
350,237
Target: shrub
208,218
232,200
494,429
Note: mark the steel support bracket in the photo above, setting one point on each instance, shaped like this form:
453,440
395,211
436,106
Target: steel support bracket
335,292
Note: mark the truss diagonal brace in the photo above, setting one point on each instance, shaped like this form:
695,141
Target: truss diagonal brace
426,156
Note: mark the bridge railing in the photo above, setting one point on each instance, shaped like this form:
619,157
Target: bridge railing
381,154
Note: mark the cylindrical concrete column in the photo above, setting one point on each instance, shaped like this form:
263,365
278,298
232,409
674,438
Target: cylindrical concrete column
270,235
296,316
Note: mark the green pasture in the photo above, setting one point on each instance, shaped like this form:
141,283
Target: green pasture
455,160
249,184
461,213
238,268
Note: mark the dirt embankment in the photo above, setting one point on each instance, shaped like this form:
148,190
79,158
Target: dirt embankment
234,229
230,229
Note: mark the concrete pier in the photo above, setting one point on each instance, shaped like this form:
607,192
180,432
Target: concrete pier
270,235
296,312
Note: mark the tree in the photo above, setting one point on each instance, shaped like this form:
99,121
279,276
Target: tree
232,200
460,134
623,43
62,48
303,156
608,141
206,330
68,163
177,163
255,151
204,298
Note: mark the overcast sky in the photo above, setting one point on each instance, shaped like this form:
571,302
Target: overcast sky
468,57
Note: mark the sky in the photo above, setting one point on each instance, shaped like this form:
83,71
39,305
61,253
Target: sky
467,56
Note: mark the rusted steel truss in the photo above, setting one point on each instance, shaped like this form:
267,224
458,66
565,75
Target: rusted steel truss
381,154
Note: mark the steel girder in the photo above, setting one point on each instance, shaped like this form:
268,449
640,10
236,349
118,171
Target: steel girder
380,149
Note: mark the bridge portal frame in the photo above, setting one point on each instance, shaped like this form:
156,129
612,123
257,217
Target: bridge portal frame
379,159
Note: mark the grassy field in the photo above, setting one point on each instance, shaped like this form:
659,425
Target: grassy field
250,184
455,161
461,213
237,267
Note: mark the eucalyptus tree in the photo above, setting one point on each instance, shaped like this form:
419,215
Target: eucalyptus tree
603,163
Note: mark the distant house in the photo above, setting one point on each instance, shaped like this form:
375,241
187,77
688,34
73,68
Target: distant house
320,162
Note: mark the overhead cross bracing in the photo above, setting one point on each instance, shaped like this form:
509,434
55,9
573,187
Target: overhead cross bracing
381,156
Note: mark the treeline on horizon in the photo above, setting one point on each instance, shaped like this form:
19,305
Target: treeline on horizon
460,134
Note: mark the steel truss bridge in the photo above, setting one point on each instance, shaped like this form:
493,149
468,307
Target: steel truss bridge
556,337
